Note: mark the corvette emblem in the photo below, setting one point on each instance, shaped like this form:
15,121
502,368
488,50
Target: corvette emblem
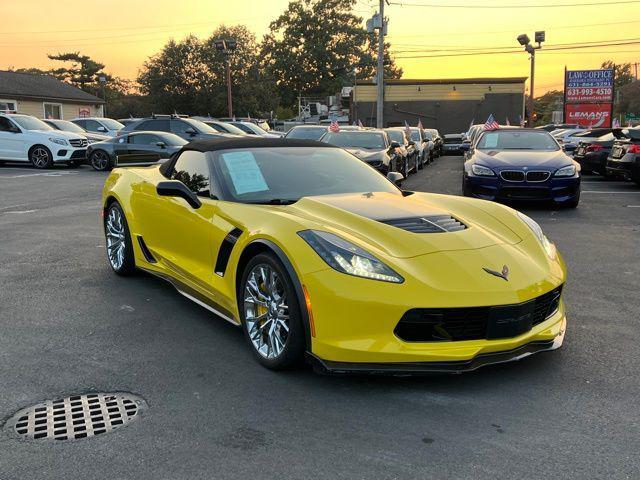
504,274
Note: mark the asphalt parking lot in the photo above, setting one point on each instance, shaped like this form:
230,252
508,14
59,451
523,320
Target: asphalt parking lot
69,325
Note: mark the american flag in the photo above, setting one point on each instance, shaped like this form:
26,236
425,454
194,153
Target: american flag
521,121
420,127
334,127
491,124
508,124
616,123
407,128
360,124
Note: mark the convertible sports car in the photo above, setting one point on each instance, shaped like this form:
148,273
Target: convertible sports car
521,164
311,251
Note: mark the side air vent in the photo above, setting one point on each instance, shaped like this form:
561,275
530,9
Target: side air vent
427,224
225,251
145,250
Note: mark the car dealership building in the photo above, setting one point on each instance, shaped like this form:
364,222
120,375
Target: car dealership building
449,105
44,96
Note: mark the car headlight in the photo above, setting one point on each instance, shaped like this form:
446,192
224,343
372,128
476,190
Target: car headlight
348,258
568,171
549,247
59,141
482,171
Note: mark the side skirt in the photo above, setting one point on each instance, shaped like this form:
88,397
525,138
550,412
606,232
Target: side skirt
195,296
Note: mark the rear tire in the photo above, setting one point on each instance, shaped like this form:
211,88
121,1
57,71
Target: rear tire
270,313
40,157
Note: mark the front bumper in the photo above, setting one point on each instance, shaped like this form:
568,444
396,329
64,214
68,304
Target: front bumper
355,319
418,368
556,190
65,154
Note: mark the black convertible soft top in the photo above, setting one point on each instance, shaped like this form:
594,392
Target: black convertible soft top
214,144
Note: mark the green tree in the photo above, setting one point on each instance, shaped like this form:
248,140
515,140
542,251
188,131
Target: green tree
622,73
83,72
546,104
190,77
314,46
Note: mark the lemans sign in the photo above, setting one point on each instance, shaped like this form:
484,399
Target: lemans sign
588,97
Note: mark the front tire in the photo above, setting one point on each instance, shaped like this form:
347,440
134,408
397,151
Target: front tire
270,313
100,161
40,157
118,240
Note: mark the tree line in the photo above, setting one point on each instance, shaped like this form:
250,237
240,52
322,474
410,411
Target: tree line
311,49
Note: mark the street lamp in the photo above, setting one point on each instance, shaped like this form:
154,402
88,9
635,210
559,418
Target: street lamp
531,50
227,46
355,103
103,81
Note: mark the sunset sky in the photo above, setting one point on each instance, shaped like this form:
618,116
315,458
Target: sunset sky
123,34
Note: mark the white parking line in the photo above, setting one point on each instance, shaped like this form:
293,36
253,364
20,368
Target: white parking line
20,211
49,174
613,192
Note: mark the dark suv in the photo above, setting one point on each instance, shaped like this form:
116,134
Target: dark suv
624,160
187,128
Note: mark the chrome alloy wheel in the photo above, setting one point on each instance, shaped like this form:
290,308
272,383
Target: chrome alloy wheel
116,240
266,311
99,160
40,157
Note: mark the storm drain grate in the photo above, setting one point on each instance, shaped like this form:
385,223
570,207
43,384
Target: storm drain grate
78,416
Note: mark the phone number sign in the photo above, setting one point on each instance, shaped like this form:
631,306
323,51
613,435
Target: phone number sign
589,86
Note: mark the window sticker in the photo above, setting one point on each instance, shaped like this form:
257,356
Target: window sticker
245,172
491,140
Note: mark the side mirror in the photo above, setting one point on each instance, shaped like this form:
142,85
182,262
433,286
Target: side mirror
464,147
394,145
161,144
174,188
411,142
396,178
102,129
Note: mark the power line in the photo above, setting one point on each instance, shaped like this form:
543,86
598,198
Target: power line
435,5
517,51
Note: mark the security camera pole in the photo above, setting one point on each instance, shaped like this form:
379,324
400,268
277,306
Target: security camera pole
531,49
227,47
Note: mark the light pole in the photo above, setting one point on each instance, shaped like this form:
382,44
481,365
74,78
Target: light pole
103,81
355,102
531,50
380,70
227,47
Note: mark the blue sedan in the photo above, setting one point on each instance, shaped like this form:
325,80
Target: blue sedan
521,164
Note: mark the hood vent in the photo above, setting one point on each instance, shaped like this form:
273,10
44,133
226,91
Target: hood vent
427,224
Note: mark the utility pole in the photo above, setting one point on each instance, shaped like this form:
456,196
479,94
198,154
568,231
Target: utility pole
227,47
380,71
531,50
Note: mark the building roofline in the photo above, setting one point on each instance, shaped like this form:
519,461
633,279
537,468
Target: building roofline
446,81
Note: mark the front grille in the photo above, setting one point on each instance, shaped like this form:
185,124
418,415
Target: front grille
78,142
538,176
78,155
512,175
427,224
469,323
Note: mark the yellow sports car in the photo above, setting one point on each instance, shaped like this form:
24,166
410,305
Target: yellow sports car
316,254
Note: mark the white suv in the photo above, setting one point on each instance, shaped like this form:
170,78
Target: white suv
26,139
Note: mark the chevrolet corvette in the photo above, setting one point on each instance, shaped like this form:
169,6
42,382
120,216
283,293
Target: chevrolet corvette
314,254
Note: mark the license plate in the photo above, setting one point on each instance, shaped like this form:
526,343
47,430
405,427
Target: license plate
580,151
510,321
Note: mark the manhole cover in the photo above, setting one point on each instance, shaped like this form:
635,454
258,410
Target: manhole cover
76,417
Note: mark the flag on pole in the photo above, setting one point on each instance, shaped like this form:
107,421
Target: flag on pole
334,127
616,123
360,124
407,128
508,124
471,124
491,124
521,121
420,124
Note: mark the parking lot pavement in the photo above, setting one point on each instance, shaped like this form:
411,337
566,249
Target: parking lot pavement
69,325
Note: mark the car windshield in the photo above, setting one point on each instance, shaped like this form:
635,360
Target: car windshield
396,136
201,126
30,123
283,175
415,135
68,126
369,140
517,139
225,128
306,133
111,124
249,127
